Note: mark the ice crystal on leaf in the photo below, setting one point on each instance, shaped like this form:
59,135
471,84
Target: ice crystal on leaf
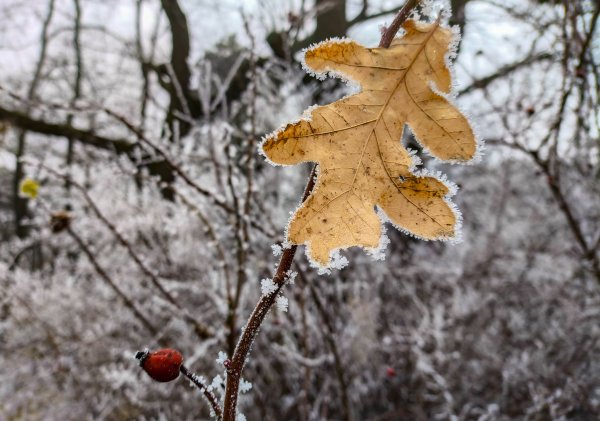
356,143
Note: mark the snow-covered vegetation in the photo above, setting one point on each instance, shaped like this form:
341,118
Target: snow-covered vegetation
157,223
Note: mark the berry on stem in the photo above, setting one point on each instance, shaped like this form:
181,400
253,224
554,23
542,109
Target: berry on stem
162,365
390,372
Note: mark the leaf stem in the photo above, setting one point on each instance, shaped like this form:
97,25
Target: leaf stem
390,32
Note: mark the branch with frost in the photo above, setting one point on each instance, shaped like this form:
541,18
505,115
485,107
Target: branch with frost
126,146
266,301
128,302
272,287
201,330
24,121
208,394
242,350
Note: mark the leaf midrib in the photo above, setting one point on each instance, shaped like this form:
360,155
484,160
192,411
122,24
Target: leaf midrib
380,118
387,103
376,121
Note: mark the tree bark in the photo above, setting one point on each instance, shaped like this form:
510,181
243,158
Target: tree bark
20,203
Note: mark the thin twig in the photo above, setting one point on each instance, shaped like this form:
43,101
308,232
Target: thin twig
242,350
104,275
210,396
329,335
388,36
200,329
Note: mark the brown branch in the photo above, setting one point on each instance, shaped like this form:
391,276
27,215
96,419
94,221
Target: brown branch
242,350
360,18
388,36
588,38
166,159
266,301
78,78
20,203
589,252
166,168
331,22
553,180
182,99
26,122
362,14
180,40
504,71
177,170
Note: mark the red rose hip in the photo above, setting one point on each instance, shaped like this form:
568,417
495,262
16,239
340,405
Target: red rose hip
162,365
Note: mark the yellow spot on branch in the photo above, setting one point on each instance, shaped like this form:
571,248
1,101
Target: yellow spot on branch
29,188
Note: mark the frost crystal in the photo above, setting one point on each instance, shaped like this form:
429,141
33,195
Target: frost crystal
216,383
378,253
277,250
267,286
433,8
291,277
196,379
338,261
282,303
245,386
221,358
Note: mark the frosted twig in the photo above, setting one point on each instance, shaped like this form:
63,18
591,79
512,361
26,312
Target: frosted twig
107,279
201,330
266,301
210,396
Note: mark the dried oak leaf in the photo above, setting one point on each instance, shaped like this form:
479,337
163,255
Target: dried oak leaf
356,142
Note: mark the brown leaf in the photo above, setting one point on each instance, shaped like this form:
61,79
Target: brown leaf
356,142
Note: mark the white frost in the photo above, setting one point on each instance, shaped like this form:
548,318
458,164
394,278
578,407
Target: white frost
291,276
221,358
338,261
245,386
277,250
282,303
267,286
216,383
378,253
